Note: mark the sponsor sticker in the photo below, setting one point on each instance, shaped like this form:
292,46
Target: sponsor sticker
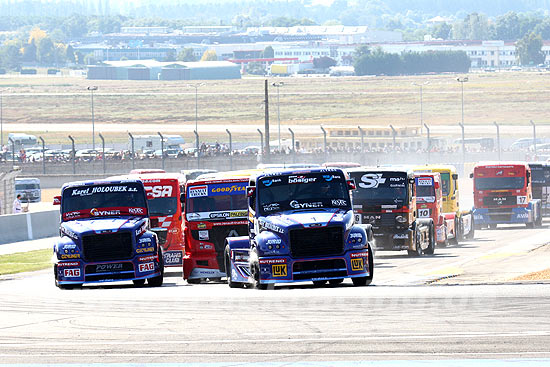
271,207
301,179
147,267
339,202
99,213
425,181
227,189
279,270
173,258
70,256
296,205
357,264
198,191
159,191
201,225
272,261
136,210
102,268
71,273
371,180
146,249
203,235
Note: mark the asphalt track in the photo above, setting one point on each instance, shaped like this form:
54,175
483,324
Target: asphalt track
460,307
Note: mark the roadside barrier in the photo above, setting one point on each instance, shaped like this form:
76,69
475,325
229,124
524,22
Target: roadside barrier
28,226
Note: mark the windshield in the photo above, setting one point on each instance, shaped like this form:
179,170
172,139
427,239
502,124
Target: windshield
540,174
424,187
27,186
303,191
499,183
380,187
217,201
163,206
104,200
445,183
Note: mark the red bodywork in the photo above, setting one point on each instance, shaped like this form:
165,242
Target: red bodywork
430,205
166,187
494,194
205,230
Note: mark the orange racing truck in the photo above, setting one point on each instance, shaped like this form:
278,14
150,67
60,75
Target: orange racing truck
164,199
215,208
503,195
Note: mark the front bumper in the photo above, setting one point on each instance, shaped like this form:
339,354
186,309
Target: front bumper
80,272
393,240
484,216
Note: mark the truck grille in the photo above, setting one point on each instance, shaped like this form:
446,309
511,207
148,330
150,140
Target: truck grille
330,268
499,200
325,241
108,246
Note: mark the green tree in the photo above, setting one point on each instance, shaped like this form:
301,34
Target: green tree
186,55
474,27
69,54
170,56
268,53
507,27
442,30
529,49
323,62
361,50
10,57
29,52
255,68
45,51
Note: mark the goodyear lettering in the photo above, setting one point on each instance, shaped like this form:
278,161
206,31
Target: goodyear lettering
229,189
145,249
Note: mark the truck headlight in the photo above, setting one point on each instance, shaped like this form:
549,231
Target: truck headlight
400,219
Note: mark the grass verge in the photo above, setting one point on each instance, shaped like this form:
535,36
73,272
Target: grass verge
25,261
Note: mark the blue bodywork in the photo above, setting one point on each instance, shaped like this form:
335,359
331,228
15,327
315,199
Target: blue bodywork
106,249
269,246
529,214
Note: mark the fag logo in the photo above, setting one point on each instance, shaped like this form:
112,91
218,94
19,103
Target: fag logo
371,180
71,273
279,270
146,267
357,264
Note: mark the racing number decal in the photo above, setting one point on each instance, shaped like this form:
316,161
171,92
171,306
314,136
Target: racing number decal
279,270
522,200
357,264
423,213
357,218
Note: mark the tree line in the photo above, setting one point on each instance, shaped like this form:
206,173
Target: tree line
378,62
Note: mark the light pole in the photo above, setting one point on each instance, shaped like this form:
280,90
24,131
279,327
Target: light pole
462,81
498,138
196,86
534,137
92,89
278,85
429,144
1,124
421,109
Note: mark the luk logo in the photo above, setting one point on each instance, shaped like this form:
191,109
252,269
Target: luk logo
371,180
357,264
279,270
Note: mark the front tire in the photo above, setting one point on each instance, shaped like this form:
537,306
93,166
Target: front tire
255,268
158,280
431,247
231,283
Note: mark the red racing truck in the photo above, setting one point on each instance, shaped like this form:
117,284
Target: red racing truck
503,195
429,204
215,208
164,199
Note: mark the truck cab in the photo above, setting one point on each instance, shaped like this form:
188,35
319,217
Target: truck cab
300,228
503,195
429,204
385,198
540,172
105,236
464,219
29,188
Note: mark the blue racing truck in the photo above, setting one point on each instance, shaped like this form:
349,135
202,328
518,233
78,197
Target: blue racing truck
301,228
105,236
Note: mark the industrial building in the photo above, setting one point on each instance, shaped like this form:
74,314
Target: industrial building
156,70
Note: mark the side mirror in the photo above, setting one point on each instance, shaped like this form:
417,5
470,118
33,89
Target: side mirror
250,191
182,197
455,176
57,200
411,181
471,175
351,184
436,185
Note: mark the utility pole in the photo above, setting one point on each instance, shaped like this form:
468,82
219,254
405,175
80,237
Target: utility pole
267,151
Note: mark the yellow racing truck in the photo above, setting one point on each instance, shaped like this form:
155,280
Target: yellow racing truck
451,203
